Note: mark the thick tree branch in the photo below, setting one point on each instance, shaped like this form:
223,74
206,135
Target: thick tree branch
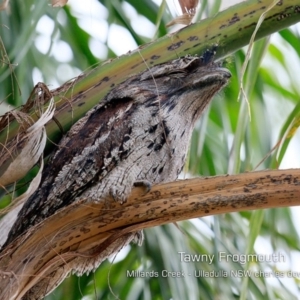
87,229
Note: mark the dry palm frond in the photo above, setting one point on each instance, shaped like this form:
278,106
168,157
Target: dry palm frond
188,9
19,156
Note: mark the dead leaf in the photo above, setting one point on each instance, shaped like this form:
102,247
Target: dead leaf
31,147
59,3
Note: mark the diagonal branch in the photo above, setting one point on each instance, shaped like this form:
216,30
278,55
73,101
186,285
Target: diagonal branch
82,230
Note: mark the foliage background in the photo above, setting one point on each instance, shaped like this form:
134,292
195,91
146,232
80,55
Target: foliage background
40,43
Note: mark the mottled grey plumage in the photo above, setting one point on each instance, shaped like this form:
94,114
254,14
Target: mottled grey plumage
139,132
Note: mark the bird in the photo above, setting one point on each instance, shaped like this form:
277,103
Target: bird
137,135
